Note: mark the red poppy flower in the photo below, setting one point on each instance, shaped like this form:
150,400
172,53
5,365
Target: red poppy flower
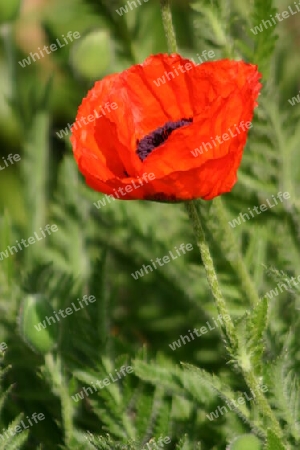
167,129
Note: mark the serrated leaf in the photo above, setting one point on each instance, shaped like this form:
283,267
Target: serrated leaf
256,324
286,392
225,393
264,40
173,379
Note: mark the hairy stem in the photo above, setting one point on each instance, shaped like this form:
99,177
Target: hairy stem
168,26
228,326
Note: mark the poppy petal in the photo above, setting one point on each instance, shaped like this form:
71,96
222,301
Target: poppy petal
184,123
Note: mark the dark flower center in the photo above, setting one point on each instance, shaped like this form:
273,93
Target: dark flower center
157,137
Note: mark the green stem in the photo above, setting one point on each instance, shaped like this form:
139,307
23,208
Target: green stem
261,400
228,326
54,372
168,26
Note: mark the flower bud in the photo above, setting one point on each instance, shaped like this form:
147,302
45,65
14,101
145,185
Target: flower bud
9,10
245,442
39,334
91,55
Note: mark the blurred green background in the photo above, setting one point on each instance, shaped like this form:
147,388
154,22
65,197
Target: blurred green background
96,250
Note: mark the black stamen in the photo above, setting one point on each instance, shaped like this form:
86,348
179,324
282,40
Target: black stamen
161,197
157,137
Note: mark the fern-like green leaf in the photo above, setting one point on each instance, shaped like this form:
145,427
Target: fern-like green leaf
256,324
265,37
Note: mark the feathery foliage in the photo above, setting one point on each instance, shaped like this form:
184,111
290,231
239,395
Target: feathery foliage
182,391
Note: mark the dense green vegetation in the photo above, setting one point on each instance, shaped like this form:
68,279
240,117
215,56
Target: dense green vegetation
108,375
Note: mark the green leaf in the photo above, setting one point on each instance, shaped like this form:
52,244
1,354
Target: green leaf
265,40
15,442
226,394
285,389
256,324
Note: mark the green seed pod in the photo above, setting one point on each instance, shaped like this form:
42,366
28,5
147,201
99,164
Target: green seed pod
9,10
246,442
91,56
33,326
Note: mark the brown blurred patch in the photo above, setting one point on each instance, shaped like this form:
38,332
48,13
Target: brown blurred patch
29,32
